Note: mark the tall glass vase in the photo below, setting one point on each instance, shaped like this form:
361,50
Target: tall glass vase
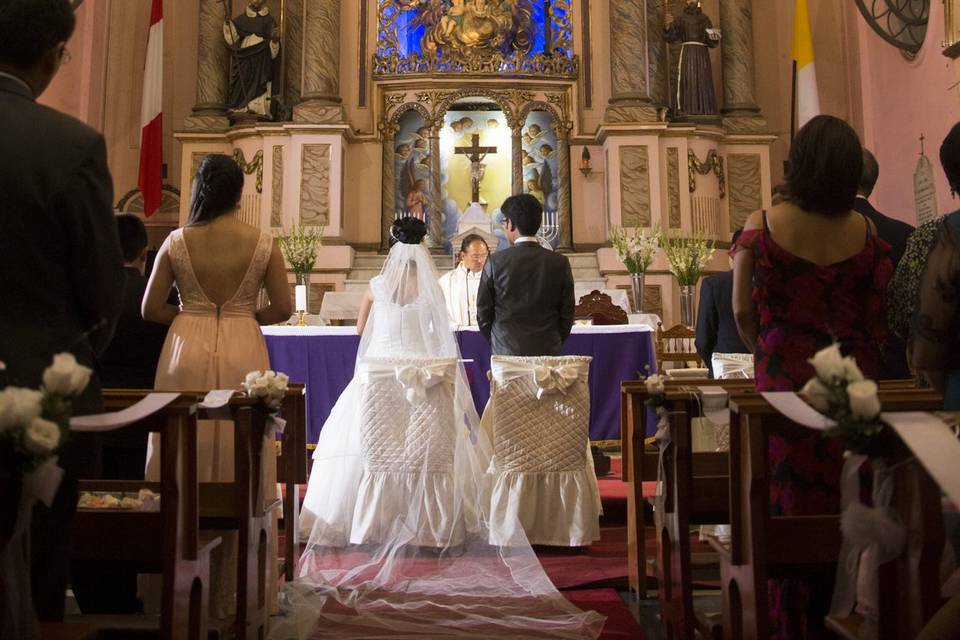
636,285
687,310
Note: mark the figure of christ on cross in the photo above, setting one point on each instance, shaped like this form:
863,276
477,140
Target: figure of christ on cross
475,153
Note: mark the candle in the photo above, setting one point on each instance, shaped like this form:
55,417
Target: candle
301,296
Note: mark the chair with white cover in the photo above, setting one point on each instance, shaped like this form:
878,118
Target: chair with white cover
408,441
543,471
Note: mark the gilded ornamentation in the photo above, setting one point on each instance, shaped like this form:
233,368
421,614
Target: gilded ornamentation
255,165
474,37
712,163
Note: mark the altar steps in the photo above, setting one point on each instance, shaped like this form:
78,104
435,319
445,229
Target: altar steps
586,270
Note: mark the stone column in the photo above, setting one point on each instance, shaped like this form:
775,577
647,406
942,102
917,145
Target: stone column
564,211
436,198
740,111
213,65
320,91
637,61
388,195
516,162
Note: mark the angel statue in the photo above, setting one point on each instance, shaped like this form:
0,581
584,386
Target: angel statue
694,82
414,201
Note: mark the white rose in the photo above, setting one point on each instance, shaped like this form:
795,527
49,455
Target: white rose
864,403
829,363
283,379
817,394
654,384
251,378
18,406
41,436
65,377
851,372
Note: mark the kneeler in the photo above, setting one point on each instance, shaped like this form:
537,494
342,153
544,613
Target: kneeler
167,541
763,545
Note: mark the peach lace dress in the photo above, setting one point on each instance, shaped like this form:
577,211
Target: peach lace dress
210,347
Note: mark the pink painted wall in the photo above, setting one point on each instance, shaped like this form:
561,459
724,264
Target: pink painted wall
903,99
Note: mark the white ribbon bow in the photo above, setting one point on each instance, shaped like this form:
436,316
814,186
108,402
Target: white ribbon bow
555,379
416,380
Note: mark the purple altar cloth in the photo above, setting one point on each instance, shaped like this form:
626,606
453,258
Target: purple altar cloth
325,363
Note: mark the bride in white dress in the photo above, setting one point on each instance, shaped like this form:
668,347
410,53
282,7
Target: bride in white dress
398,544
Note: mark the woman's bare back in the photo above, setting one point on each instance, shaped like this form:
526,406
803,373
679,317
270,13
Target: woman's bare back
221,253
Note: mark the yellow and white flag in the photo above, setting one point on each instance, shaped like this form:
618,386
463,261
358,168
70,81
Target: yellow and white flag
807,96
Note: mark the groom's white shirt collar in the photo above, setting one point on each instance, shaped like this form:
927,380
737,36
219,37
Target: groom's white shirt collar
532,239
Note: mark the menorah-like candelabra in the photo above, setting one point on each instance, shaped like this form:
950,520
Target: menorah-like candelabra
549,229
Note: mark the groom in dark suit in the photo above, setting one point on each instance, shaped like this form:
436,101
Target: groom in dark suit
61,274
525,303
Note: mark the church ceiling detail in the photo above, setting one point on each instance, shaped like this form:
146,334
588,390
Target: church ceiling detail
902,23
475,37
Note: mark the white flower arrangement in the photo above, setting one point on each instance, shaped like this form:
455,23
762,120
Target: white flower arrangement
635,250
300,246
268,386
34,424
687,256
840,391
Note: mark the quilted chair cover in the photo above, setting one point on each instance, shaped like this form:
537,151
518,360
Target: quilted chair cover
408,441
543,471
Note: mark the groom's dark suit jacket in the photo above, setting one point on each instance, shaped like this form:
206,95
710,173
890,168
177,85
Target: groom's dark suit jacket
61,281
525,304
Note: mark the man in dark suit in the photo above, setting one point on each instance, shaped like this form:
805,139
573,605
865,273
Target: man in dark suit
525,303
895,233
716,328
61,273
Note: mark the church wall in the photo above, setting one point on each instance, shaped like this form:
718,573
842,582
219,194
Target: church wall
903,99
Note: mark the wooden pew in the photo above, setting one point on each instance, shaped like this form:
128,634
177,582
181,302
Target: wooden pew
292,471
167,541
763,545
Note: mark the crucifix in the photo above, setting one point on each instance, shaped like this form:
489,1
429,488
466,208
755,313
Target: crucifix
475,153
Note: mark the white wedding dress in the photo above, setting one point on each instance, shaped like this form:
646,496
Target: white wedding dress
402,548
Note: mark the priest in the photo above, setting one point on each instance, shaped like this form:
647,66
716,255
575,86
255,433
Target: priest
461,285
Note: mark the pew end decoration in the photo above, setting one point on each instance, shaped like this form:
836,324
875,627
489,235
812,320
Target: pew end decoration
270,388
840,391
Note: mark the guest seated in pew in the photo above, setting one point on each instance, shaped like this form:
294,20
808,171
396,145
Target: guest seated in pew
219,265
807,273
935,349
718,341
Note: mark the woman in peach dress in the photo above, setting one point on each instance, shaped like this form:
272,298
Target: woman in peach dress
219,265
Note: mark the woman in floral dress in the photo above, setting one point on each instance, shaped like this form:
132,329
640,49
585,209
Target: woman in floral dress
807,273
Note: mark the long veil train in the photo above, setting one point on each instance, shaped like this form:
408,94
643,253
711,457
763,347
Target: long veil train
426,568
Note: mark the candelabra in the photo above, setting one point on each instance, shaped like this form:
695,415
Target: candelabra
549,229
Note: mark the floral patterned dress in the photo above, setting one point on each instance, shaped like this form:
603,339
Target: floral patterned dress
803,307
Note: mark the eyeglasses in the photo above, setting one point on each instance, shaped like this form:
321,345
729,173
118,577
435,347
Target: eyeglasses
477,256
65,56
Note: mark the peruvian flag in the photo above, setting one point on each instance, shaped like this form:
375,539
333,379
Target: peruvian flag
151,116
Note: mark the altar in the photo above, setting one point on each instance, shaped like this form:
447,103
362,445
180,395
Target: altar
323,358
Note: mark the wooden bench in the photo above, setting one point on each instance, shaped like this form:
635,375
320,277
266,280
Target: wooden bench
166,542
763,545
291,472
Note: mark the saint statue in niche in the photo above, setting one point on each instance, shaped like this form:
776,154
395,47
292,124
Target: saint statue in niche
254,41
694,80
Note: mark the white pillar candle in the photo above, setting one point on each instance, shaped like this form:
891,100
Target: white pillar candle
301,295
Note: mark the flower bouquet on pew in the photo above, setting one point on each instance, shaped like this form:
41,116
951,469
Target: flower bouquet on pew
34,425
840,391
270,388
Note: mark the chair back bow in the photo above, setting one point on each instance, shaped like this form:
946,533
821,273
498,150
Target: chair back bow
555,379
415,377
549,377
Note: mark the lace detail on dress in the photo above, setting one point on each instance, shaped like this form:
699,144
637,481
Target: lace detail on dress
192,294
397,329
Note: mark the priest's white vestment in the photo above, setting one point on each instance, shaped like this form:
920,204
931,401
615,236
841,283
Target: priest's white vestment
460,288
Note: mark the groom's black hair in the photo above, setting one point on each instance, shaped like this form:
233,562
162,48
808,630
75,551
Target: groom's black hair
524,211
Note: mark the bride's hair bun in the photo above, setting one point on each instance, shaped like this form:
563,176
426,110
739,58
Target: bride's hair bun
408,230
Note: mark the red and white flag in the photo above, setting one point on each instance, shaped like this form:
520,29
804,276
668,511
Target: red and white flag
151,116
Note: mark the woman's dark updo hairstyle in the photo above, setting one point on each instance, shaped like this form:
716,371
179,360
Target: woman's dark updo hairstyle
216,189
950,157
824,167
407,230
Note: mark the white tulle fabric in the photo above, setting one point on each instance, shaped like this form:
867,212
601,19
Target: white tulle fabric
397,511
544,483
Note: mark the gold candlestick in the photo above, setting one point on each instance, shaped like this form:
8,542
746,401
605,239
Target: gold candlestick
300,320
